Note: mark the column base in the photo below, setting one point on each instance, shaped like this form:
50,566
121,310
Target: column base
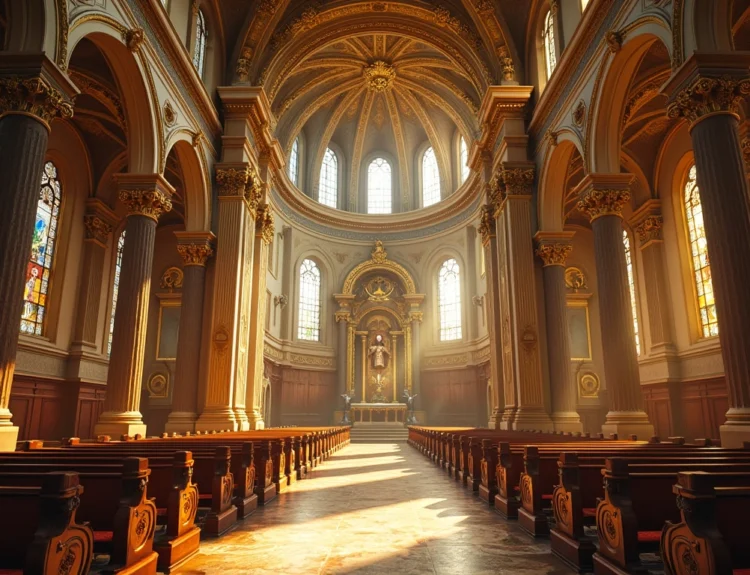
567,421
496,420
117,428
255,420
242,421
216,420
736,430
8,437
627,423
180,422
509,416
532,418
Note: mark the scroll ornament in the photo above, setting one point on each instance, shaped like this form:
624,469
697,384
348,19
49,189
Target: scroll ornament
149,203
34,96
598,203
709,96
554,254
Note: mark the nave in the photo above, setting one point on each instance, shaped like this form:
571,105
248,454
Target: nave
375,508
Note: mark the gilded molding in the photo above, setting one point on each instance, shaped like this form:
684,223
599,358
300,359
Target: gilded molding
708,96
264,224
379,76
243,64
35,97
554,254
487,224
597,203
232,181
195,254
97,229
149,203
63,28
506,64
649,230
518,181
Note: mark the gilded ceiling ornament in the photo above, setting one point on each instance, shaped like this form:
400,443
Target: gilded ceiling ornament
171,279
487,223
379,289
264,223
243,64
484,7
96,228
518,181
232,181
379,76
195,254
506,63
554,254
709,96
650,229
575,279
170,115
134,38
598,203
149,203
34,96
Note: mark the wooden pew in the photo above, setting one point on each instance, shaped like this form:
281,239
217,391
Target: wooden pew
712,536
223,514
39,533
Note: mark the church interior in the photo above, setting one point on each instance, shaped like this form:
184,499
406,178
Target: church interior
356,286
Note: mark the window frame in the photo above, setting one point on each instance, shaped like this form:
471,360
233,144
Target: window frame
375,158
200,65
294,152
423,178
549,48
299,302
336,178
464,171
459,304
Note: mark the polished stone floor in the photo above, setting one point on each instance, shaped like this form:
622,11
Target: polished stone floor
379,509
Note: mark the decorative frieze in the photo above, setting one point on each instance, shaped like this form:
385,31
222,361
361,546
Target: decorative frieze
264,223
34,96
149,203
597,203
97,229
240,180
706,96
518,181
650,229
487,224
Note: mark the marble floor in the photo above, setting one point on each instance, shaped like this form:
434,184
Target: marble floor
376,509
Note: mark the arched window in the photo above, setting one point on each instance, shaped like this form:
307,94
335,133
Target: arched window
430,178
329,180
449,301
39,268
464,156
201,37
309,301
699,257
379,187
115,289
548,35
294,162
631,288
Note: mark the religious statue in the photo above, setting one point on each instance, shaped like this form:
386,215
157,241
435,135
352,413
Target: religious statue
347,408
411,419
379,353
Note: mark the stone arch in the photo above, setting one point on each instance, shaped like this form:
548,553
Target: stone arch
609,103
132,77
196,179
705,26
379,262
553,180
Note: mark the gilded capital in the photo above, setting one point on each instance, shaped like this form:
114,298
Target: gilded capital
97,229
554,254
416,316
232,181
649,229
487,223
253,189
264,223
35,97
597,203
195,254
708,96
149,203
518,181
342,315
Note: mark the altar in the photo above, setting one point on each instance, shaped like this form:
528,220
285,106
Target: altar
378,412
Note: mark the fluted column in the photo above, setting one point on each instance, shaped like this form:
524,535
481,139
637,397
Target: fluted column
602,199
31,96
195,248
554,250
146,198
416,362
708,91
342,320
264,232
224,405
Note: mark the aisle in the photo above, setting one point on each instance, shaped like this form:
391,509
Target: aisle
375,508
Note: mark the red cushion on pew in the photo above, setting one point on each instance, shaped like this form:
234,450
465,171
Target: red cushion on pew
516,488
204,496
547,497
589,511
103,536
649,536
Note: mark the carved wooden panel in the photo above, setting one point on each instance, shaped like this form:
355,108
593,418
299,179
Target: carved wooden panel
307,397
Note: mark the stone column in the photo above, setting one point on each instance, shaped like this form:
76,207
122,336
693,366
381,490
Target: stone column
287,281
492,312
239,190
602,198
708,90
515,211
31,96
146,197
194,248
554,250
98,222
264,232
342,320
416,363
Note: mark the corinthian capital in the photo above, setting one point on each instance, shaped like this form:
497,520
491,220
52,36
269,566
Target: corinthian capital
97,229
649,229
597,203
554,254
149,203
709,96
519,181
33,96
264,223
232,179
195,254
487,223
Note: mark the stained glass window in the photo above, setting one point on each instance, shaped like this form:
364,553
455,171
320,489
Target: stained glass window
309,301
699,257
430,178
449,301
201,37
329,182
379,187
631,288
294,162
115,289
39,268
548,35
464,161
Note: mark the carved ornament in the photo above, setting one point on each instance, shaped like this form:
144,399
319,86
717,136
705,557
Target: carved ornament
264,224
96,228
134,38
379,260
33,96
195,254
518,181
579,114
588,384
232,181
487,223
598,203
506,64
169,113
709,96
158,385
243,64
149,203
554,254
379,76
649,229
280,300
614,41
379,254
171,279
575,279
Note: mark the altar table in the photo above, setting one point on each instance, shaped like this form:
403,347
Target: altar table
378,412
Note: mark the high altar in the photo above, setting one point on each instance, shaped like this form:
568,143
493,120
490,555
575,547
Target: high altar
379,319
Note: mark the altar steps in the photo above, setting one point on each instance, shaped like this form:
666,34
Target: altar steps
379,433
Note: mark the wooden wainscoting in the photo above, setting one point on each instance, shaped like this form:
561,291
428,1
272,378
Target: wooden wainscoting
307,397
456,397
